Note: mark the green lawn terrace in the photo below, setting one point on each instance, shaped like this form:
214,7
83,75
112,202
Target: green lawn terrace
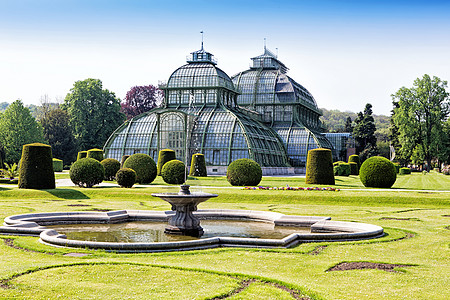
407,263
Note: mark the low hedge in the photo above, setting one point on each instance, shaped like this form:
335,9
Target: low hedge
341,168
81,154
405,171
95,154
57,165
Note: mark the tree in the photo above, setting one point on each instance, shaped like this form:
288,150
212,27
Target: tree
58,132
94,113
364,134
420,116
140,99
348,125
17,128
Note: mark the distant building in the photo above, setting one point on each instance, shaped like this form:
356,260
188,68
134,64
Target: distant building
343,144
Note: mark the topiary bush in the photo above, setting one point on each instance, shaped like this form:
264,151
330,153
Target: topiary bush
341,168
405,171
164,156
354,158
57,165
397,167
244,172
123,159
353,168
95,154
126,177
36,168
198,166
173,172
319,167
143,165
81,154
87,172
377,172
111,166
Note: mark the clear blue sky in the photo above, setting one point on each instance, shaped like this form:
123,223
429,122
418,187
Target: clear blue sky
346,53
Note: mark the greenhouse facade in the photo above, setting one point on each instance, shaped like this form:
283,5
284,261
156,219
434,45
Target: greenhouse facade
261,114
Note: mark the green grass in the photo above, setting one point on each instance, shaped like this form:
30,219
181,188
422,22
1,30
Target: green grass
205,274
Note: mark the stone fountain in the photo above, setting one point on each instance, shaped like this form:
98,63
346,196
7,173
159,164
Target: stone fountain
184,203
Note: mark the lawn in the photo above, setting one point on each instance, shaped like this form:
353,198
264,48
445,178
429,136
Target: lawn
415,215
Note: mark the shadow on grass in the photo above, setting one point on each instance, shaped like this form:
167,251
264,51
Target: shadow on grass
67,193
4,188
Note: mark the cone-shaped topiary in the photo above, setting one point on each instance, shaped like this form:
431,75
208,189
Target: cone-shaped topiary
126,177
405,171
95,154
164,156
81,154
198,165
57,165
319,167
36,168
353,168
244,172
87,172
123,159
111,166
173,172
143,165
378,172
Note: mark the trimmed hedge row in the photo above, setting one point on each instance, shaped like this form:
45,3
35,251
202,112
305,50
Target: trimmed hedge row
405,171
57,165
341,168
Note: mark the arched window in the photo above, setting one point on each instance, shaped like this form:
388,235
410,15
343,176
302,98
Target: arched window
172,133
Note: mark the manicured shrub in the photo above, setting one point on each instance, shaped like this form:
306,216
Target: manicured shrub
87,172
81,154
123,159
126,177
111,166
164,156
244,172
354,158
377,172
198,165
143,165
57,165
353,168
173,172
319,167
405,171
341,168
36,168
95,154
397,167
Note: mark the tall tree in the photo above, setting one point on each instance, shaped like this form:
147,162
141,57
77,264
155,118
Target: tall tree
57,131
94,113
140,99
420,116
348,125
17,128
364,134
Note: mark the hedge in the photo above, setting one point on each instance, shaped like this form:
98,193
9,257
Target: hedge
164,156
405,171
319,167
36,169
198,166
57,165
95,154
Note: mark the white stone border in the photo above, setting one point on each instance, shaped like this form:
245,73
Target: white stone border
322,229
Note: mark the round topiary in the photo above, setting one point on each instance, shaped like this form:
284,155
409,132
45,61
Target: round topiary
198,165
126,177
87,172
164,156
81,154
123,159
95,154
174,172
244,172
57,165
36,168
143,165
319,167
354,158
111,166
405,171
378,172
353,168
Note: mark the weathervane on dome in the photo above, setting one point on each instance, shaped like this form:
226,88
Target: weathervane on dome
202,38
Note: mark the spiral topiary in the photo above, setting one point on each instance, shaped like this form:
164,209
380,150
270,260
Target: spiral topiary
95,154
87,172
353,168
36,167
173,172
143,165
123,159
81,154
111,166
126,177
244,172
405,171
198,166
164,156
319,167
57,165
378,172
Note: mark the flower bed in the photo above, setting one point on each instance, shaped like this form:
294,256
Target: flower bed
291,188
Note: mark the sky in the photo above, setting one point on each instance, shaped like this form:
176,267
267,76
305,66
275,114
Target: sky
346,53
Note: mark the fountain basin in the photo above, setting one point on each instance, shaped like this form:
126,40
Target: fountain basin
322,229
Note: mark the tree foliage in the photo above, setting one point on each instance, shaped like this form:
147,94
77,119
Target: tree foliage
94,113
59,135
419,116
17,128
364,134
140,99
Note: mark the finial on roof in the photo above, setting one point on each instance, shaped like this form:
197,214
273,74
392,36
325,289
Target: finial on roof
264,44
277,52
202,38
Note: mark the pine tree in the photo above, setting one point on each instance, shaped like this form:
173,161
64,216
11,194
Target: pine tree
364,134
